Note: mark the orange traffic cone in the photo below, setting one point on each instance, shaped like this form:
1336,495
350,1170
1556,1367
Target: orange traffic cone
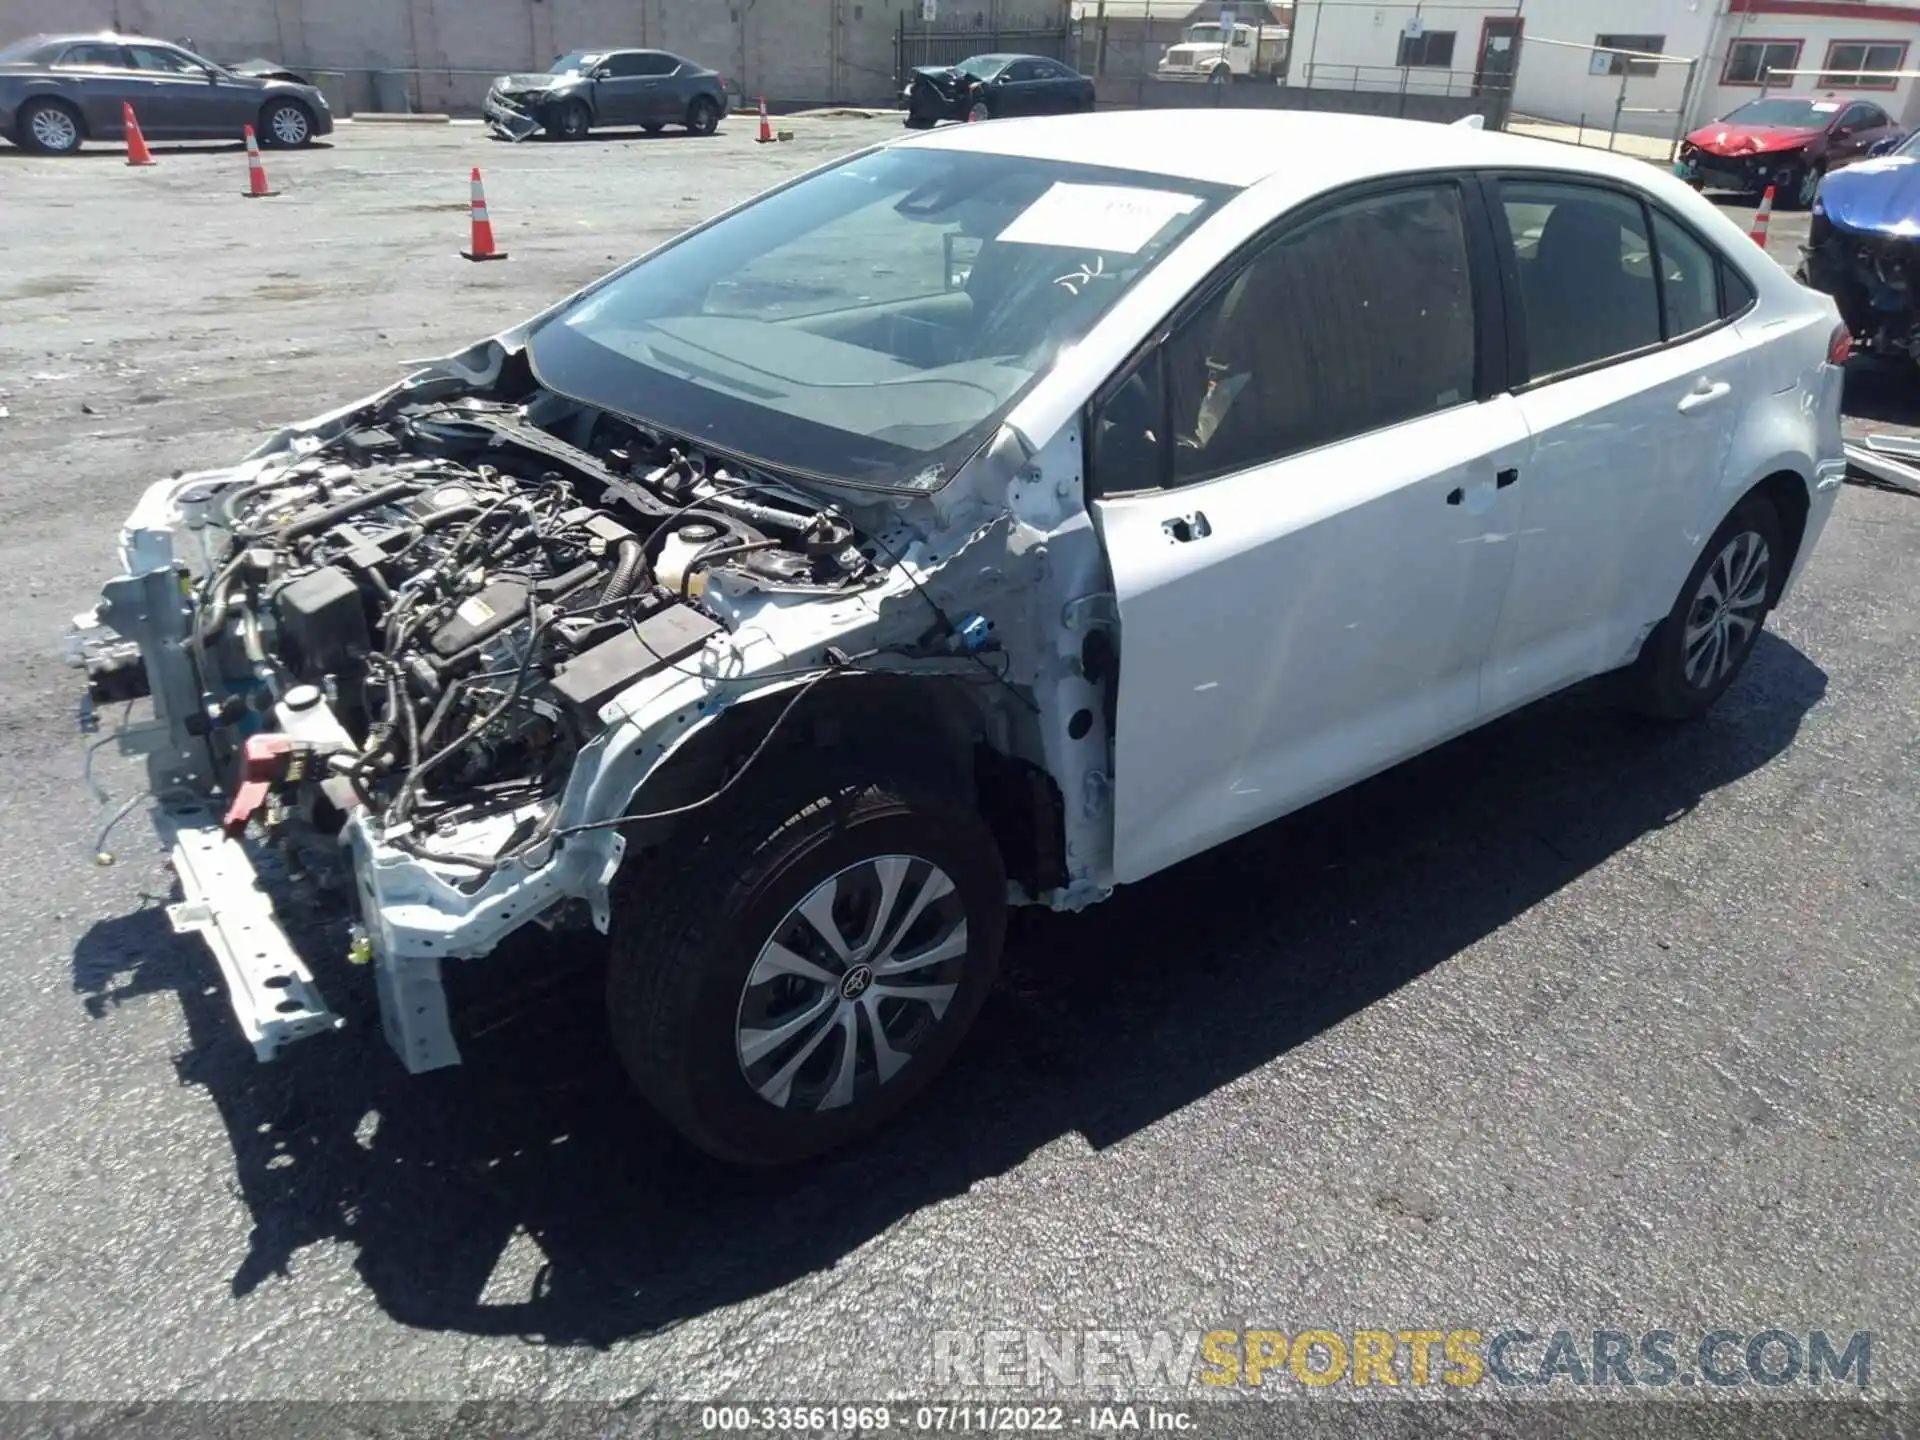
1758,234
482,246
137,152
256,172
766,130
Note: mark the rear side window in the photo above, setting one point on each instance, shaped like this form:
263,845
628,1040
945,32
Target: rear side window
107,55
1688,283
1586,272
1736,291
1357,319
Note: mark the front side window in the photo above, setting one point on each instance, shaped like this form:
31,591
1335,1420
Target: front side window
1608,61
168,62
871,323
1854,63
1355,320
1586,273
1749,62
1023,70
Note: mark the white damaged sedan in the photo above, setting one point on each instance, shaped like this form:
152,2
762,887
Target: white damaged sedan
989,518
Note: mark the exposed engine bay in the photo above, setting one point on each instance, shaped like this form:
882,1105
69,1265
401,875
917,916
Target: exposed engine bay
423,617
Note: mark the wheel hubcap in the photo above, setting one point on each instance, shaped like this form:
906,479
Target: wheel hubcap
1726,610
289,126
852,983
54,129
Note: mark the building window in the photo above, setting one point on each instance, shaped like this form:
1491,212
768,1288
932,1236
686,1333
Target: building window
1852,62
1606,63
1748,61
1432,48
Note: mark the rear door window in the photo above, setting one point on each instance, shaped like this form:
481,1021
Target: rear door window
94,56
1689,287
1585,264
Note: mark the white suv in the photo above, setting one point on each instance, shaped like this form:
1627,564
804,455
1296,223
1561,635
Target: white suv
996,516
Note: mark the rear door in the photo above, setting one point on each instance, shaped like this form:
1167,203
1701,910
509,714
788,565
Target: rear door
1632,386
1860,125
663,96
1301,491
100,74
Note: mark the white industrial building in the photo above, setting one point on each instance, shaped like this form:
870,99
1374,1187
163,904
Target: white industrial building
1563,60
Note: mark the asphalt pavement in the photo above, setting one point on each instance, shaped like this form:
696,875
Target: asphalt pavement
1572,1024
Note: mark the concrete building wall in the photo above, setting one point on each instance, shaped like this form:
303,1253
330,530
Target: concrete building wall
1815,34
820,51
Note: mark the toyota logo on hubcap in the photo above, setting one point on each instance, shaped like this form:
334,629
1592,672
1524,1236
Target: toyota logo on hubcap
855,982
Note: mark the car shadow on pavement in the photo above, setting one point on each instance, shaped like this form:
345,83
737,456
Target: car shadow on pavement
529,1193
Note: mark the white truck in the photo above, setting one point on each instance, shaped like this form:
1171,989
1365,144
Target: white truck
1230,51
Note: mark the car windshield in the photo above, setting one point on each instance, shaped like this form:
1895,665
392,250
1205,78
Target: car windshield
1204,34
572,61
1810,114
982,67
872,323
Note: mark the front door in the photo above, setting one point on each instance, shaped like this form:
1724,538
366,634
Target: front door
1309,566
619,89
1493,72
1637,389
185,101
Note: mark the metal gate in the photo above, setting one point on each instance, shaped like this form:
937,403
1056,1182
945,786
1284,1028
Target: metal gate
949,39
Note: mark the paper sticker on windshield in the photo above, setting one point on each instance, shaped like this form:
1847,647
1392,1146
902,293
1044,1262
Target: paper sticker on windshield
1826,107
1116,218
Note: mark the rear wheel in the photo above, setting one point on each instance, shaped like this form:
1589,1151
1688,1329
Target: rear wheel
1700,648
792,979
51,127
703,116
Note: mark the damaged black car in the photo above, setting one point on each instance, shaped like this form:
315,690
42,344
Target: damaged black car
986,87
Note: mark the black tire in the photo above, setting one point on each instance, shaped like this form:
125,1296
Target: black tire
285,125
919,122
703,116
570,121
1663,685
692,924
50,127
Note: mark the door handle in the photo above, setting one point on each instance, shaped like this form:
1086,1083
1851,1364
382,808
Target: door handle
1703,395
1501,480
1183,528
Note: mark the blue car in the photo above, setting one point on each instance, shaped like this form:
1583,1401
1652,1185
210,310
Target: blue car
1863,247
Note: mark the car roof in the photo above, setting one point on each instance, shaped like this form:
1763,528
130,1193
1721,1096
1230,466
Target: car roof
1825,98
1244,147
104,37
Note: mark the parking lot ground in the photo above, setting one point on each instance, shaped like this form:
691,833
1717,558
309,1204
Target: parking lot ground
1572,1024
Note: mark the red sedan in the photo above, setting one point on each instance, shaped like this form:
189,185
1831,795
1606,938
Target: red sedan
1787,141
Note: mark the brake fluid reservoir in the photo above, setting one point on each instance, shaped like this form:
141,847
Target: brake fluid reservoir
679,550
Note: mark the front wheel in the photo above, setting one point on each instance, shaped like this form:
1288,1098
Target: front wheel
570,122
703,116
1694,654
919,122
286,125
980,111
792,979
